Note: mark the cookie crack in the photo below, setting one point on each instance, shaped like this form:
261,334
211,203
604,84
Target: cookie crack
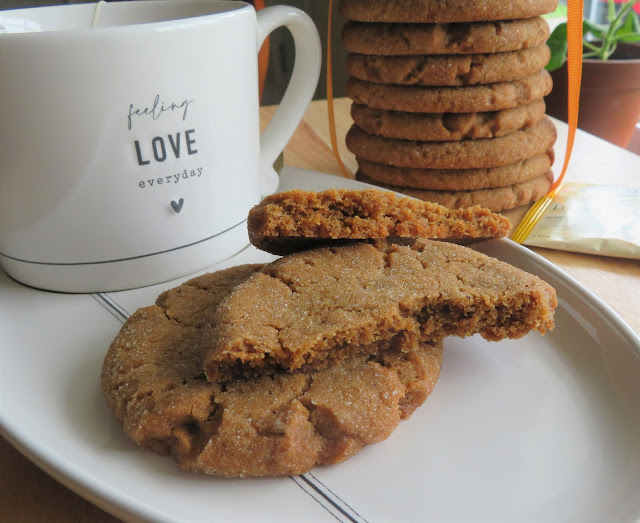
287,282
406,40
415,74
457,34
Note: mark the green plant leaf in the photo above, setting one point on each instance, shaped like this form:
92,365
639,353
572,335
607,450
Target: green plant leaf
623,27
597,30
558,46
560,12
629,33
590,46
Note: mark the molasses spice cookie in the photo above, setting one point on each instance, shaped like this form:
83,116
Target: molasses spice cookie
465,99
438,127
276,425
497,199
316,308
464,154
456,179
290,221
455,38
428,11
448,70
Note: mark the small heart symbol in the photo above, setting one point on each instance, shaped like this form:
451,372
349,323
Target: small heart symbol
177,206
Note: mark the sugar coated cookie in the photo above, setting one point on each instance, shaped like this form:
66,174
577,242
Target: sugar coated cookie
457,179
276,425
437,127
467,99
497,199
455,38
465,154
448,70
315,308
428,11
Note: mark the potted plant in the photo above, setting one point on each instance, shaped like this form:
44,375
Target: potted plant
610,91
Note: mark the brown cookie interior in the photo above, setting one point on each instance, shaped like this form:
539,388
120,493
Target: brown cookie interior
295,220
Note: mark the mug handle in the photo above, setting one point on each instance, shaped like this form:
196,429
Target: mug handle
299,92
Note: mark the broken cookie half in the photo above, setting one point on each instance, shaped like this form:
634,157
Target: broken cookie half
295,220
315,308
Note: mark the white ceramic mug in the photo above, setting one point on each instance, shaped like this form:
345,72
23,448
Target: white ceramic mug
130,147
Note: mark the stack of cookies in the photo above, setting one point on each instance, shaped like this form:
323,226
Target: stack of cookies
448,98
273,369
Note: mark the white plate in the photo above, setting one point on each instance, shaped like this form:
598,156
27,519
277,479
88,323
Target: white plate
539,429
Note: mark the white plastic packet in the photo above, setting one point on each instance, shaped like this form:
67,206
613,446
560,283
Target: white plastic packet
593,219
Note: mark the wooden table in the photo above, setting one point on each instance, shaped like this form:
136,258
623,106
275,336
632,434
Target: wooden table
28,494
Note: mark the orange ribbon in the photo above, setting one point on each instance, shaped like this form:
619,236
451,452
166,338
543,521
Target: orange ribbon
263,55
575,13
332,119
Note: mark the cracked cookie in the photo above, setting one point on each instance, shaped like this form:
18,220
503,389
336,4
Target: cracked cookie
428,11
465,99
463,154
448,70
274,425
295,220
316,308
446,127
450,38
496,199
401,178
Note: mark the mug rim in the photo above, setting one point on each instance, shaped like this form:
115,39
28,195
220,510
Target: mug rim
233,7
